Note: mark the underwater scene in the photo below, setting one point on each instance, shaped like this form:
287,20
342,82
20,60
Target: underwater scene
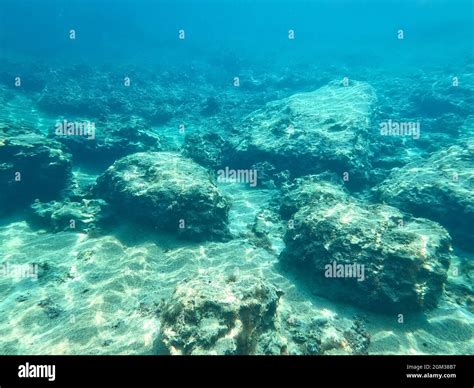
236,177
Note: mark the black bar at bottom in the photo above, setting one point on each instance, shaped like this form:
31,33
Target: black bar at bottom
137,371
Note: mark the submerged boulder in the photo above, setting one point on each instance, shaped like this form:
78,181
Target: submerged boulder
108,139
370,255
207,149
326,129
440,188
208,316
320,188
242,314
167,192
31,167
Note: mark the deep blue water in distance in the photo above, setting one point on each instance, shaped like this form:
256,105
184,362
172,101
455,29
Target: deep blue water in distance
129,30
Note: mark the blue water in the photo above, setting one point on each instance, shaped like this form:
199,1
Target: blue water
283,90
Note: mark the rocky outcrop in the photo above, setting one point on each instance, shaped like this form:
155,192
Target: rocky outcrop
269,176
321,188
326,129
207,149
242,315
440,188
446,99
85,91
31,167
167,192
207,316
106,140
370,255
267,231
56,216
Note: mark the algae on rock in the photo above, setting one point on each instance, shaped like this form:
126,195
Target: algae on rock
208,316
167,192
326,129
440,188
370,255
241,315
31,167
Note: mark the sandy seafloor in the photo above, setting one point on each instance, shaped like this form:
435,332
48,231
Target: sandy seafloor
104,289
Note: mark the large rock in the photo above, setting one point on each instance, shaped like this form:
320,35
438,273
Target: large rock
242,315
207,149
75,216
106,140
168,192
440,188
326,129
310,189
31,167
207,316
370,255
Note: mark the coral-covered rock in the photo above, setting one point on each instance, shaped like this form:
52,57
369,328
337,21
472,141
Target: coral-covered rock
168,192
326,129
31,167
370,255
440,188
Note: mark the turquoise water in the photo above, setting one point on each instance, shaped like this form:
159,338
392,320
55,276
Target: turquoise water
236,177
